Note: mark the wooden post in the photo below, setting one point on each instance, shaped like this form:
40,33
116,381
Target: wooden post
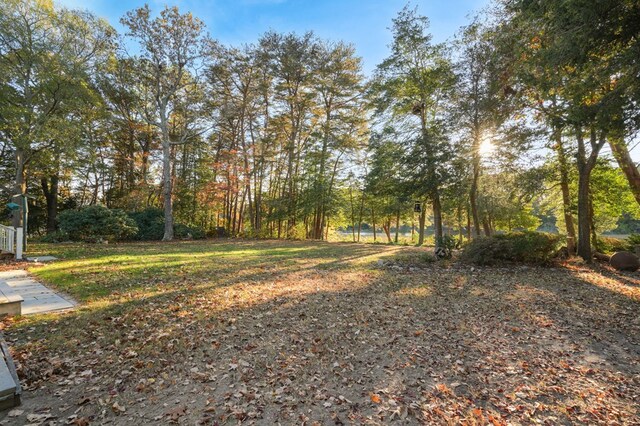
19,243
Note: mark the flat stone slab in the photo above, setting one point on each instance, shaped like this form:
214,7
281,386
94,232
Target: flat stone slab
10,300
42,259
8,294
40,306
37,298
7,385
16,273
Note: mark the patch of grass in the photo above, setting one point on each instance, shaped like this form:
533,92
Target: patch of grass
90,272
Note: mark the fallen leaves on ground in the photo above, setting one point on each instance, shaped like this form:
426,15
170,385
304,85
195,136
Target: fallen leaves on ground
310,333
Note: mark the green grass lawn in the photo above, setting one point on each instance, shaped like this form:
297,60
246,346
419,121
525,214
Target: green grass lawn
267,332
110,280
91,273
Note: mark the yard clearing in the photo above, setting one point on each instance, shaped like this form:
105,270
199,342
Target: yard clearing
273,332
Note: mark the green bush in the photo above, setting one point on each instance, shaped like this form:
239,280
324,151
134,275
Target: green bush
448,244
527,247
150,222
55,237
611,245
96,223
184,231
633,241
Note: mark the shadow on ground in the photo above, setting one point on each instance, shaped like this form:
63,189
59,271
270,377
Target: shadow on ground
267,332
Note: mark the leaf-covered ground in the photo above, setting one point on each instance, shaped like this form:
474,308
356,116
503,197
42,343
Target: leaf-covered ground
310,333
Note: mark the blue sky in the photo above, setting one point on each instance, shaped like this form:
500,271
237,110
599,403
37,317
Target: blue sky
361,22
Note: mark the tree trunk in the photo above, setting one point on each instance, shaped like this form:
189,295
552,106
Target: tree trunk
325,219
360,213
353,215
320,202
584,216
473,192
413,229
144,167
167,191
594,235
326,235
585,166
385,227
421,222
487,227
290,195
51,196
566,194
397,225
234,213
626,163
460,231
373,219
20,187
437,219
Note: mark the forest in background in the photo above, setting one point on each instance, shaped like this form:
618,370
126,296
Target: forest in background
507,127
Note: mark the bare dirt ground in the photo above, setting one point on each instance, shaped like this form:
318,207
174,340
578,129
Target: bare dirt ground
307,333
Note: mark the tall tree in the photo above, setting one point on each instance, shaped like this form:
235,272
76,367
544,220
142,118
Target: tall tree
45,59
339,83
292,61
555,36
173,49
479,102
414,82
135,138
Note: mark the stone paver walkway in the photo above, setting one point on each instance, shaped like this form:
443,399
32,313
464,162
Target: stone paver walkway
41,259
38,298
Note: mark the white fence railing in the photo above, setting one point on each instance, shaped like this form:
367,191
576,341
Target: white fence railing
11,240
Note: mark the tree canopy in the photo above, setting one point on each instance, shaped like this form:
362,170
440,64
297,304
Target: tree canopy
526,120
